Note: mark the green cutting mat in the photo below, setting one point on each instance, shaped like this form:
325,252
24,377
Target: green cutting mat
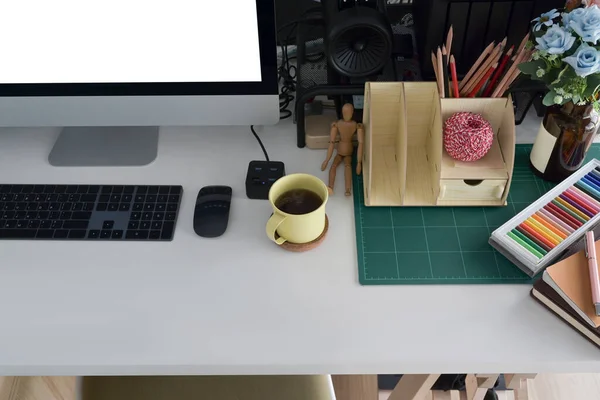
442,245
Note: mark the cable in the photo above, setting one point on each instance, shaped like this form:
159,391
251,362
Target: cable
260,142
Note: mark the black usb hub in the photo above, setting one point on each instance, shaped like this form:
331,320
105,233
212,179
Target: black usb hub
261,176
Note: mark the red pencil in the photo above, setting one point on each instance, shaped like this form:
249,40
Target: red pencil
454,76
483,80
498,73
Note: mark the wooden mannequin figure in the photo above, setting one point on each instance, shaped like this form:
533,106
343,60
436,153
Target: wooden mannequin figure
346,128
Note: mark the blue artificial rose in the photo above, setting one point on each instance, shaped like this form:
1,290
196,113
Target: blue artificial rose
545,19
575,15
587,24
556,40
585,61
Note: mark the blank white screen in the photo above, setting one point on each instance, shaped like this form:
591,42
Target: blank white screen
103,41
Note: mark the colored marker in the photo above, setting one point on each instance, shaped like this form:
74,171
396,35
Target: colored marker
532,232
557,202
533,239
547,232
588,190
530,242
572,222
540,218
581,201
557,222
577,206
574,210
525,245
585,196
594,179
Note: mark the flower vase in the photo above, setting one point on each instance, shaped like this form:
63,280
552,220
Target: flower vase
565,136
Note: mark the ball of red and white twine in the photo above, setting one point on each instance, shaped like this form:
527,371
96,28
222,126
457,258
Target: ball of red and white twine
467,136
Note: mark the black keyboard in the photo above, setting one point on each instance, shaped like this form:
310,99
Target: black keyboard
88,212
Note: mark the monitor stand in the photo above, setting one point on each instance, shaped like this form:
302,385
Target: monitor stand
130,146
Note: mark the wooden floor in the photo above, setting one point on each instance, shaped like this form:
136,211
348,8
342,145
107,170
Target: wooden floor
543,387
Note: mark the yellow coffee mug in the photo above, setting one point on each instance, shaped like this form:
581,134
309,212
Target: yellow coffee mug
302,228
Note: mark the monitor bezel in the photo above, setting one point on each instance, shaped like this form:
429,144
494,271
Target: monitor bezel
267,85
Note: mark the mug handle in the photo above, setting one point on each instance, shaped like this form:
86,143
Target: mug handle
272,225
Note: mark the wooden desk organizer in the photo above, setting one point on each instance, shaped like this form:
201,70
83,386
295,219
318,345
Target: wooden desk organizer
405,163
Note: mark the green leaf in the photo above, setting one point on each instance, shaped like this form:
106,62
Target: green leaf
593,83
531,67
549,98
560,75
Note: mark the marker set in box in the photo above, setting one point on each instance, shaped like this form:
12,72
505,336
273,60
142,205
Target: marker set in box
545,231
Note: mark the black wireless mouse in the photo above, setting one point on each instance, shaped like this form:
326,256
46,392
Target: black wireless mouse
211,214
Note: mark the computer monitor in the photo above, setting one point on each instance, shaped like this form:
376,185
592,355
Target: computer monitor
111,72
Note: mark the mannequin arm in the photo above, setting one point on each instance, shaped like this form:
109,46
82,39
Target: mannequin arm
332,136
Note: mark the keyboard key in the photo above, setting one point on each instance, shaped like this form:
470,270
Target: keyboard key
147,216
113,207
54,215
104,198
163,198
78,206
66,215
108,224
20,206
20,233
142,189
77,234
19,197
17,189
175,190
22,224
105,234
88,206
148,207
43,215
115,198
174,198
40,197
94,234
102,207
158,216
154,235
132,234
45,224
10,215
171,207
151,198
117,234
5,188
145,225
157,225
30,215
106,189
135,216
73,224
54,206
48,189
138,207
133,225
171,216
82,189
66,206
164,190
44,234
74,198
82,215
124,207
71,189
142,234
161,207
128,189
52,198
60,189
57,224
126,198
27,189
7,197
61,234
94,189
43,206
152,189
140,198
34,224
62,198
10,224
88,198
167,231
9,206
117,189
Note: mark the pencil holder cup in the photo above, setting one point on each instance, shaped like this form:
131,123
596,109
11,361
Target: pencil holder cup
564,138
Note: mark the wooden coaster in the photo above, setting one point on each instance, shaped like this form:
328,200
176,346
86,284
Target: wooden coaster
302,247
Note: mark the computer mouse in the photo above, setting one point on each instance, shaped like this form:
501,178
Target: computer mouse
211,214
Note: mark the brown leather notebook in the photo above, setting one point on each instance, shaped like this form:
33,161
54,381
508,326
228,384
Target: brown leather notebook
544,294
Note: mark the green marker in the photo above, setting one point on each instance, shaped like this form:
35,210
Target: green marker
525,245
529,242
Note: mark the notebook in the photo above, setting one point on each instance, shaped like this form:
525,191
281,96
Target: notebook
565,289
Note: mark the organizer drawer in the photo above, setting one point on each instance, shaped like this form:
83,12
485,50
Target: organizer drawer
458,189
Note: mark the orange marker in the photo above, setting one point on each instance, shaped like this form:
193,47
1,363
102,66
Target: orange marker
527,228
540,231
540,218
546,231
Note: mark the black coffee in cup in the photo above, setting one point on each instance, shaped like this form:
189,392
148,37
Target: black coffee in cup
298,201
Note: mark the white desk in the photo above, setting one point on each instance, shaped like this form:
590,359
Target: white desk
239,304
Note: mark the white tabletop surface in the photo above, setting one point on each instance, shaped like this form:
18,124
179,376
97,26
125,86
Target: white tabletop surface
239,304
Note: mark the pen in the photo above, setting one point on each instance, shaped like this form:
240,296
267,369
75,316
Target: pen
590,252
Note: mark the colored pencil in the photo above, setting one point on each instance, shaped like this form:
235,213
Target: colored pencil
441,72
483,80
513,71
525,245
445,72
454,76
434,63
491,60
498,73
533,238
476,65
449,39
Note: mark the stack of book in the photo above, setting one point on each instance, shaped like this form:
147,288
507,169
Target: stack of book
565,289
